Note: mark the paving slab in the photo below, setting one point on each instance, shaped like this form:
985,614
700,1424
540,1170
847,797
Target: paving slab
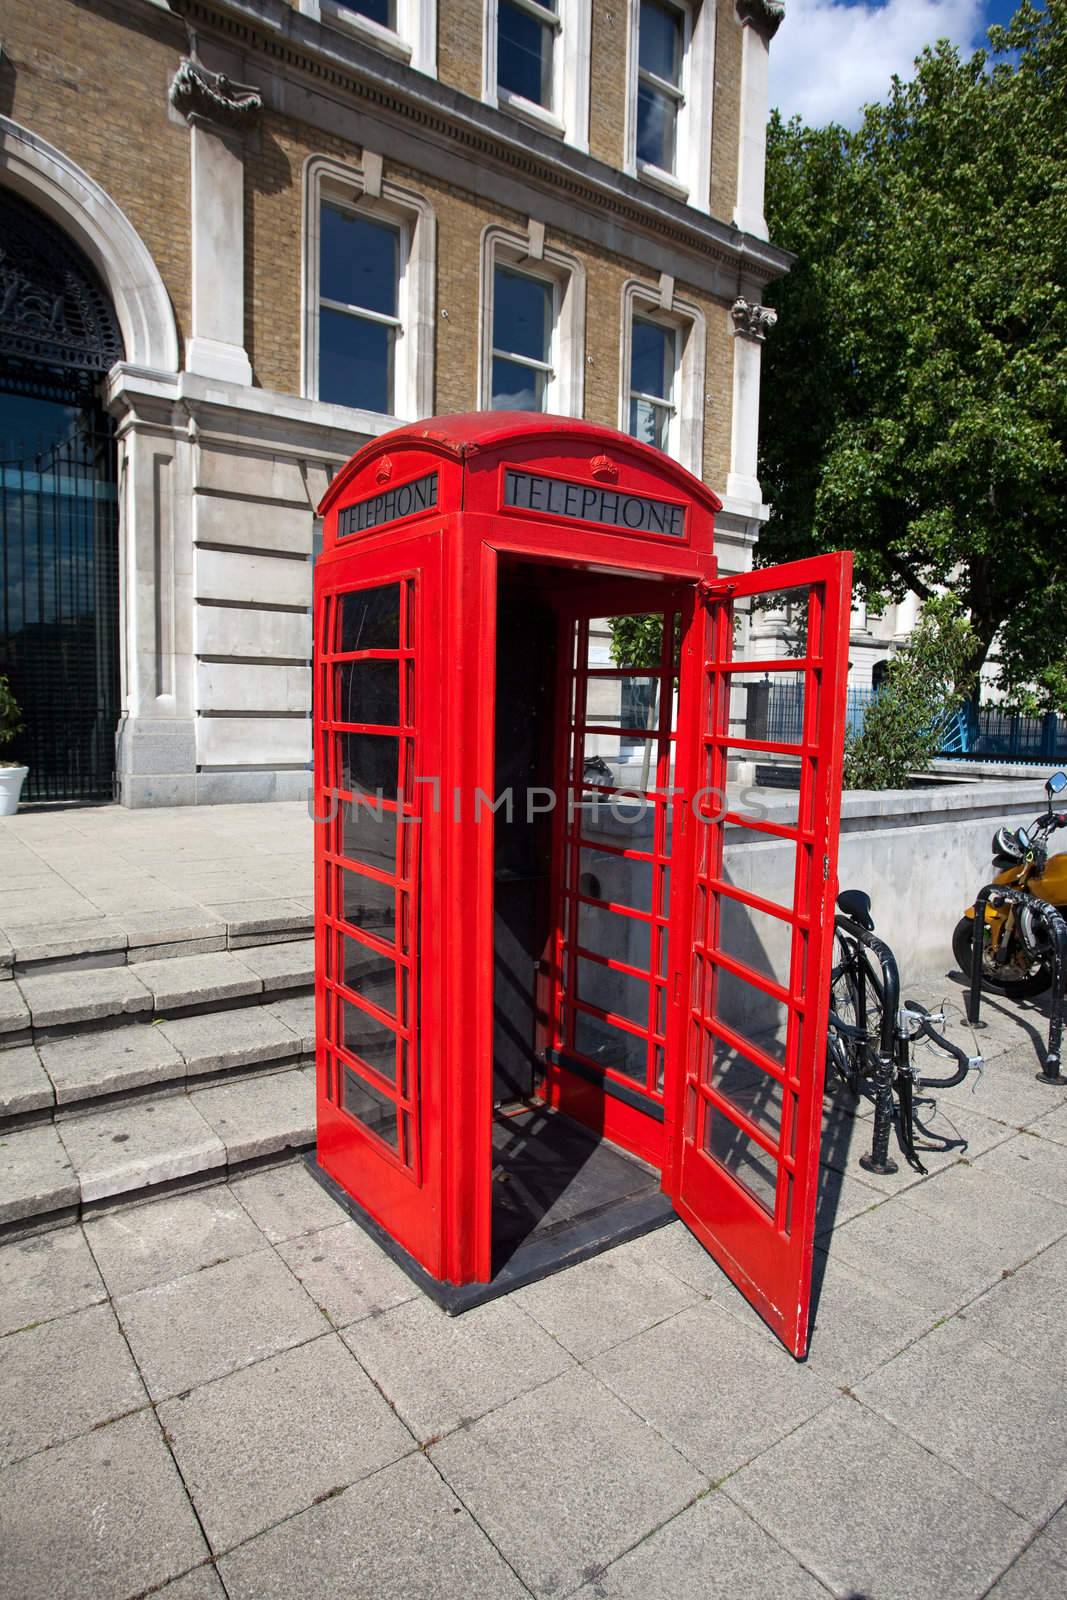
1012,1227
1053,1125
219,1041
140,1246
999,1422
14,1012
172,925
259,1116
1009,1092
402,1530
52,941
196,980
605,1301
47,1276
211,1322
442,1372
564,1479
36,1174
103,1061
1022,1315
1034,1575
711,1551
1035,1163
135,1146
287,1201
266,1442
62,1378
918,1530
346,1274
58,998
126,1521
24,1084
203,1584
298,1014
675,1248
282,966
677,1375
858,1322
1054,1536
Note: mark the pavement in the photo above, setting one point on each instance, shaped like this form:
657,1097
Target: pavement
233,1392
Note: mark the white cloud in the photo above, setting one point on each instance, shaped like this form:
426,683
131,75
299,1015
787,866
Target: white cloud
829,59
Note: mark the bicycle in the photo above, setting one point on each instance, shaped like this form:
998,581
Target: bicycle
871,1035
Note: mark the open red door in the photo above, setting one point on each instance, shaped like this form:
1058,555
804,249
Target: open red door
761,732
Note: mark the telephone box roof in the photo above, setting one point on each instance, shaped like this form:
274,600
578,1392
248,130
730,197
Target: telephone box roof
464,434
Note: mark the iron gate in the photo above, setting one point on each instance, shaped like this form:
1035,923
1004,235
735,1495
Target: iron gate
59,610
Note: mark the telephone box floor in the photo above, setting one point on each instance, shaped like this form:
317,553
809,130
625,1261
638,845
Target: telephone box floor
560,1195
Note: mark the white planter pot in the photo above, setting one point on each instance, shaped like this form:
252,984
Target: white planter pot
11,781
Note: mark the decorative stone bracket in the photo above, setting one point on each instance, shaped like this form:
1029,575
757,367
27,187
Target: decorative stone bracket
212,98
752,321
764,15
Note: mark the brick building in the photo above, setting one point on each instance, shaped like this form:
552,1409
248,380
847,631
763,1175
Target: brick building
240,237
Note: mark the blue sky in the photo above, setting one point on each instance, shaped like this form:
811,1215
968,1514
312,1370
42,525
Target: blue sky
830,57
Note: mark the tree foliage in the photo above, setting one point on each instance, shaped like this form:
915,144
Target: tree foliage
915,389
904,726
10,715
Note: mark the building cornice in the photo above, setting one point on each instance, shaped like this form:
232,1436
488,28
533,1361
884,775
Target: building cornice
289,45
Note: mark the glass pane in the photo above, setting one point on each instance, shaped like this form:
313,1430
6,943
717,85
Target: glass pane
381,11
625,762
617,992
746,1086
602,876
367,763
662,37
772,705
517,388
522,314
359,261
370,1040
623,702
650,423
760,941
757,1017
370,973
743,1159
370,619
627,641
657,116
360,1099
619,938
610,1047
524,54
368,834
367,903
356,361
776,625
367,691
652,359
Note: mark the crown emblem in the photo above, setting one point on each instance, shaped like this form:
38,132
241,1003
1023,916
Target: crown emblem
384,470
604,467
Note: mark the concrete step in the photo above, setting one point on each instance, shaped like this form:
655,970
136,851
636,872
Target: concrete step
57,1172
137,937
49,1005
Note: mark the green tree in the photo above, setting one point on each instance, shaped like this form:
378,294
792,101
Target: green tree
915,388
926,680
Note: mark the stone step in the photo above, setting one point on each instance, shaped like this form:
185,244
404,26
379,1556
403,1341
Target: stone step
56,1172
143,936
62,1077
47,1005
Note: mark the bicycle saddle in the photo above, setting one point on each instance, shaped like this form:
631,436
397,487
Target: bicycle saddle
856,905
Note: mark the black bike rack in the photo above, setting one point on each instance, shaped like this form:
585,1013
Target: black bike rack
1058,930
879,1160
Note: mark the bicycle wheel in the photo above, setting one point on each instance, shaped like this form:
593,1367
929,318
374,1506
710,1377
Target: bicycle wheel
856,1000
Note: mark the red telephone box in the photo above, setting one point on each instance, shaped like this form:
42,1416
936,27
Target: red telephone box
554,1006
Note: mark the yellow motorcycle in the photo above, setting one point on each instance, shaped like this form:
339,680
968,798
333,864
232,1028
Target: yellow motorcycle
1017,953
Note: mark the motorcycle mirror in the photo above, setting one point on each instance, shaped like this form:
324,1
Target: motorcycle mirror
1057,783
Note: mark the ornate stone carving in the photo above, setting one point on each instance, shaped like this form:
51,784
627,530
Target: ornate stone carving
752,321
764,15
211,97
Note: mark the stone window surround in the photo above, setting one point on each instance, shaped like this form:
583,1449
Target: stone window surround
364,187
661,304
568,118
414,40
528,253
691,182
